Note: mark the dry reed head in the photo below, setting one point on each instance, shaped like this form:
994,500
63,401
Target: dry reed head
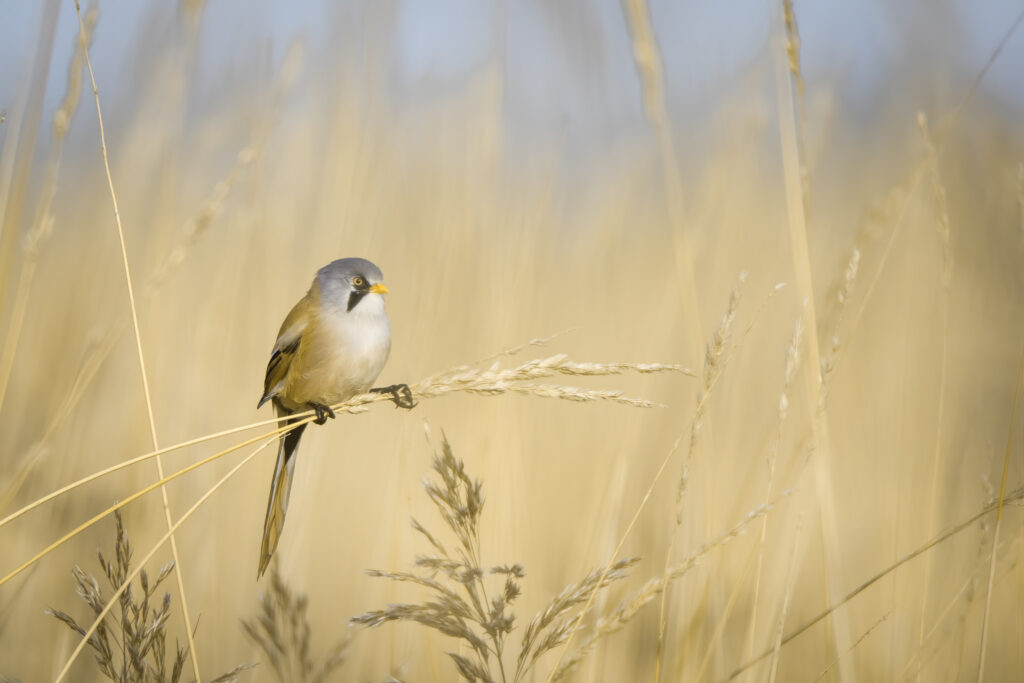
131,648
283,632
457,582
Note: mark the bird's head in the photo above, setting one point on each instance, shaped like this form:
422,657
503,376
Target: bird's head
351,283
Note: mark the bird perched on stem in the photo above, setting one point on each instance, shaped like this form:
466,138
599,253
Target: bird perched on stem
331,347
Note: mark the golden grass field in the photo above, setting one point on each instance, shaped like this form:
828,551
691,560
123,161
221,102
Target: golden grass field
906,241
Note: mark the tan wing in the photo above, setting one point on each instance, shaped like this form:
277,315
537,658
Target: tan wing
287,344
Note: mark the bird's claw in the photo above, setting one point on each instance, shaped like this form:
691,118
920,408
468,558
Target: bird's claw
322,412
401,394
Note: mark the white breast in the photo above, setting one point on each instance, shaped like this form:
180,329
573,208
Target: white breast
362,340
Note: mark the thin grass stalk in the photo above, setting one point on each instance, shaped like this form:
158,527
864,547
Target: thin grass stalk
1020,196
191,230
853,647
784,612
939,191
647,58
647,495
942,134
626,610
797,202
138,494
142,563
23,135
715,357
723,619
792,365
492,381
918,661
1011,498
489,382
42,223
615,553
95,358
999,520
138,348
134,461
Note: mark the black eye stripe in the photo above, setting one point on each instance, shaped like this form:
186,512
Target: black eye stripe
355,297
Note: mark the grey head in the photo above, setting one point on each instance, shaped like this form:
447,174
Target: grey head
348,281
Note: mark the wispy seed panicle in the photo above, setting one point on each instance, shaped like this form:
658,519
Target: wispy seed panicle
461,605
130,648
282,632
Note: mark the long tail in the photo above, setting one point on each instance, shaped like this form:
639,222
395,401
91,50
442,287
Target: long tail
280,486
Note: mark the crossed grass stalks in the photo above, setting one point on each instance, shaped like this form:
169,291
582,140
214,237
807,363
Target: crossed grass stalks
493,380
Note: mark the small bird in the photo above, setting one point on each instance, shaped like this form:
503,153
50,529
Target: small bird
331,347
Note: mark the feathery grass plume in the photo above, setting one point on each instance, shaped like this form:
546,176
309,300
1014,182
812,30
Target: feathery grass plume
941,199
618,617
828,363
793,62
497,380
943,230
42,221
487,382
714,362
791,367
282,631
647,59
131,648
460,606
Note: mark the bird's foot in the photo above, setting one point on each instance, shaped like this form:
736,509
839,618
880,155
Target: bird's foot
322,412
401,394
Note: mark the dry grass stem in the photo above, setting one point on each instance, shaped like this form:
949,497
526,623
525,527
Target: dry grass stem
792,364
1011,498
621,206
283,632
773,667
927,648
138,343
42,223
625,611
715,357
457,582
647,59
191,231
1020,196
493,381
791,136
859,640
496,380
943,230
131,576
131,648
999,519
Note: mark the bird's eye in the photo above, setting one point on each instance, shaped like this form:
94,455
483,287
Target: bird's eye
358,281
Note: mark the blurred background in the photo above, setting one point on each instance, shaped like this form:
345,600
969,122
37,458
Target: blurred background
519,170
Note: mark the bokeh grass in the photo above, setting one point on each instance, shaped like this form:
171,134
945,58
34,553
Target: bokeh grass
235,188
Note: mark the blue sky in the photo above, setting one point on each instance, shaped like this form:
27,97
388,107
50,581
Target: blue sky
562,60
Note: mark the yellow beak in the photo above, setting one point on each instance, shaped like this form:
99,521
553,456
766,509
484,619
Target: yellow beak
379,288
